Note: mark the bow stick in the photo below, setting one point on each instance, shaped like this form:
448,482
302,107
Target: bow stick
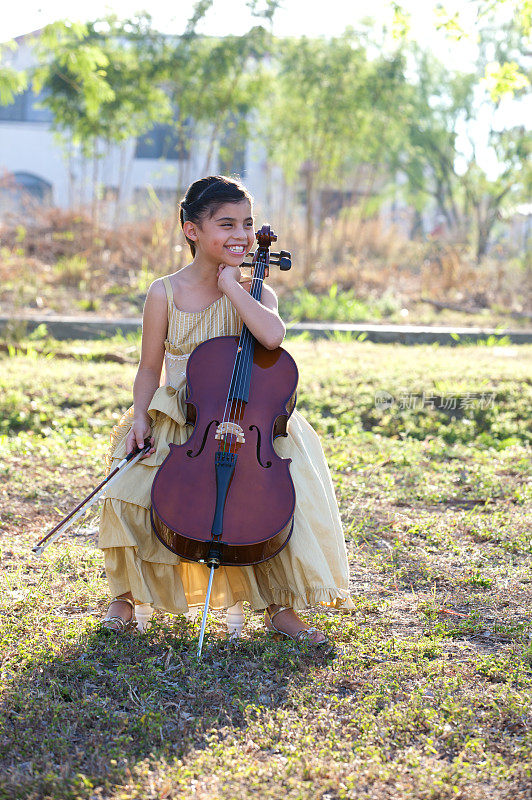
95,495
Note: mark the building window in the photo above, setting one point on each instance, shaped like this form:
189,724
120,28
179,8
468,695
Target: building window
163,141
26,182
16,111
23,109
34,114
22,192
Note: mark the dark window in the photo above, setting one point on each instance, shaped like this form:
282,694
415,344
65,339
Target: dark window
32,184
16,110
163,141
38,114
22,193
23,109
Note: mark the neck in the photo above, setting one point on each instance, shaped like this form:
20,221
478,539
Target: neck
203,272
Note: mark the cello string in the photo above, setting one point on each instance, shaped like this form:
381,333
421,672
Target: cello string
245,342
241,344
247,339
245,351
248,346
245,345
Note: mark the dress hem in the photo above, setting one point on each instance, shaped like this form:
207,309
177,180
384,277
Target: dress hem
334,598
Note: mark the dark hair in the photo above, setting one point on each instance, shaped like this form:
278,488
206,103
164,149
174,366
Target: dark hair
207,195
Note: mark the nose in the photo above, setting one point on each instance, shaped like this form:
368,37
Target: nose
241,234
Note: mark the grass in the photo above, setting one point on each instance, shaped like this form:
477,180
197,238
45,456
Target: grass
429,693
335,306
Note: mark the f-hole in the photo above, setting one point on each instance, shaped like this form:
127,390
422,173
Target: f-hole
268,463
212,422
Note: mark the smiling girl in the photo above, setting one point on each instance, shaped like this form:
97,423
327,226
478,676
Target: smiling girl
204,299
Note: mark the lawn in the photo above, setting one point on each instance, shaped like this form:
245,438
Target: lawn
428,694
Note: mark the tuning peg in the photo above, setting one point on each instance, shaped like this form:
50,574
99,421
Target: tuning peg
283,259
284,263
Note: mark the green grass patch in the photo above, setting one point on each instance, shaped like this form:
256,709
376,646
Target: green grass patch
428,695
335,306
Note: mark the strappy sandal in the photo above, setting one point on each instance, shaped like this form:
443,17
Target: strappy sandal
302,636
117,624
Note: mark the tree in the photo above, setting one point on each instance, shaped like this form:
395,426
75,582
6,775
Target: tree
510,22
215,82
329,109
98,78
441,164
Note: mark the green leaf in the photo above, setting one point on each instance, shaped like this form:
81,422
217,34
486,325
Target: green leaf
503,79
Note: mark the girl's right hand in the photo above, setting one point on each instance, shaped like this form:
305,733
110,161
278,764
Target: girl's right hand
140,430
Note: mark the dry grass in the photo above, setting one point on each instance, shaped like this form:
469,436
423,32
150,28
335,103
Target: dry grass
58,264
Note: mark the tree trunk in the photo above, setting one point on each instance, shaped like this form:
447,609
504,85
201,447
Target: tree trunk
172,239
120,187
363,205
268,192
484,228
82,180
95,203
70,168
309,224
212,141
416,229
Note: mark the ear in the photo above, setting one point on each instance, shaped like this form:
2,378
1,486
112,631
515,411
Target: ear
189,229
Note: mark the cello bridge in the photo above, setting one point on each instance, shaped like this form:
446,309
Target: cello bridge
232,429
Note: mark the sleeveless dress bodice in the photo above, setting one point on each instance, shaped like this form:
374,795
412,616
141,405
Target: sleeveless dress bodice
188,329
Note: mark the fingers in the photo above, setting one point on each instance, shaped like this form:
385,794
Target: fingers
137,441
151,450
130,442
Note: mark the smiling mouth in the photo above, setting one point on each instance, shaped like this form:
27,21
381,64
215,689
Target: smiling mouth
238,250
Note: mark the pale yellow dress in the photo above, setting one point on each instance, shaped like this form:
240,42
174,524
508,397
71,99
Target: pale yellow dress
312,569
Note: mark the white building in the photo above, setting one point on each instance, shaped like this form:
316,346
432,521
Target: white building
145,174
35,165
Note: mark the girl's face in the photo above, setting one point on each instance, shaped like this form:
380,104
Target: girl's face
227,236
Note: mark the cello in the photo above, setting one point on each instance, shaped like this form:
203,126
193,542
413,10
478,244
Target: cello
224,497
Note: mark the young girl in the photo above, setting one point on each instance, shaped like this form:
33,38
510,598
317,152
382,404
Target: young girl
205,299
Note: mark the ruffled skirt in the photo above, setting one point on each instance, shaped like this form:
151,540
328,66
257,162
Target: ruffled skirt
311,569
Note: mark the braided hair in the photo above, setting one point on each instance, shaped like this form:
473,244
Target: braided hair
206,196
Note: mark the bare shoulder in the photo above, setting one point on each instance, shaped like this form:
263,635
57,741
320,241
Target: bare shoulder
157,292
155,317
154,327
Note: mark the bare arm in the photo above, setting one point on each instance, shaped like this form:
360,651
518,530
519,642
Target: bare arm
154,330
262,318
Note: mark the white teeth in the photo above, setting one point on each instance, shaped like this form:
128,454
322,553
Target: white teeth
236,249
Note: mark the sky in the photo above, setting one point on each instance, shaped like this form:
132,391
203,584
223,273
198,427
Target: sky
295,18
